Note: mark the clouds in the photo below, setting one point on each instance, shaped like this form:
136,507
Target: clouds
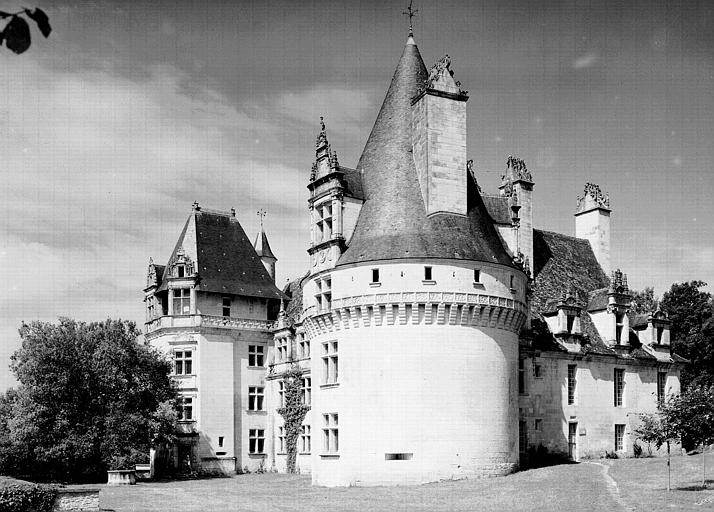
586,61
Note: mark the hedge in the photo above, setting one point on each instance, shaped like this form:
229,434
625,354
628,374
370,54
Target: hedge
27,498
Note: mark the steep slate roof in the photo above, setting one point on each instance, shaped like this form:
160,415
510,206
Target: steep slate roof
262,247
497,207
353,180
598,299
392,222
225,259
559,261
294,290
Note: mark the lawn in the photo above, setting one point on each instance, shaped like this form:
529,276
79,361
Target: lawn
612,485
642,483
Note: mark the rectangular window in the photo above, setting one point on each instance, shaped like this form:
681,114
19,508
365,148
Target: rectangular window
256,441
324,294
256,355
306,390
512,282
329,362
427,274
660,330
537,371
282,350
226,306
521,376
330,433
619,326
477,275
661,386
220,441
304,347
281,393
570,319
182,301
619,438
183,362
375,275
571,383
305,439
185,408
619,386
538,425
255,398
281,440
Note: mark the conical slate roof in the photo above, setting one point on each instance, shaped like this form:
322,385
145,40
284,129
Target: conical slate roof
262,247
393,223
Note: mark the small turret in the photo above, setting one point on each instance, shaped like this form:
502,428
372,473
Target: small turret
262,247
618,305
517,185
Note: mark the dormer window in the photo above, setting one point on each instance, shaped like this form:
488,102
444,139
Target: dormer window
375,275
660,332
427,274
180,270
226,306
182,301
619,327
570,318
323,223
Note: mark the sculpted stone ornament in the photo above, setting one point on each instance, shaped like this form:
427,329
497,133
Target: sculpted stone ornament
592,197
322,136
151,279
470,170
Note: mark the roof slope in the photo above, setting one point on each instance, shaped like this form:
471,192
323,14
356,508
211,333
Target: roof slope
392,222
497,207
262,247
225,259
353,180
561,261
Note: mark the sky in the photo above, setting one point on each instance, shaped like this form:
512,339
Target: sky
131,111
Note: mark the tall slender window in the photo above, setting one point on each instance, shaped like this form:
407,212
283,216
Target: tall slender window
521,376
661,386
571,383
619,326
375,275
427,274
477,275
306,390
185,408
226,306
619,438
329,362
619,386
256,355
305,441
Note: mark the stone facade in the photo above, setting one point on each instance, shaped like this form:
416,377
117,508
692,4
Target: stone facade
427,346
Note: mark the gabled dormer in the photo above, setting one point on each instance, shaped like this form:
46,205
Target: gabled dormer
335,200
655,331
569,308
618,305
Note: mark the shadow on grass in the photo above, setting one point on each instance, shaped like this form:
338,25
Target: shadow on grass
707,487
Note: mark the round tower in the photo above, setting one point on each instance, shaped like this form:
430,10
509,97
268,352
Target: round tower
414,329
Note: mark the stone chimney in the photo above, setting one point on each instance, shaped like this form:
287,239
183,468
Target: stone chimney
592,222
438,129
517,184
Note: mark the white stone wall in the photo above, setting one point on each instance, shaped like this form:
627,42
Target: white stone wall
546,399
594,226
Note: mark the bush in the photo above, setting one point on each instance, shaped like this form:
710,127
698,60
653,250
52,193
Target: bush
611,455
637,450
24,498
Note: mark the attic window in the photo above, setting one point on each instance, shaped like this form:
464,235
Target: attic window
571,321
660,331
226,306
427,274
477,275
180,270
375,275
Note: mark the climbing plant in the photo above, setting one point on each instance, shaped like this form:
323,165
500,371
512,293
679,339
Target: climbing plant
293,412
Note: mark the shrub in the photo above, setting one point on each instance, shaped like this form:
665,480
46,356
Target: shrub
611,455
637,450
21,498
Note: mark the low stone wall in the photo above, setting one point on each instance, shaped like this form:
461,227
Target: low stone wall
77,499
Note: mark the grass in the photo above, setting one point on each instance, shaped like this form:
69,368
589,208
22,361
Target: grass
642,483
612,485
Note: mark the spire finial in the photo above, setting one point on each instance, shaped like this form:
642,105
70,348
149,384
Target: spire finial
411,13
261,213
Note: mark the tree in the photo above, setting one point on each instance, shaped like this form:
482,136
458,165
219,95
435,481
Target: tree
16,33
654,429
643,302
691,312
90,398
689,415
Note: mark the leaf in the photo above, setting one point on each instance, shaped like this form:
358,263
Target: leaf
43,22
17,35
4,14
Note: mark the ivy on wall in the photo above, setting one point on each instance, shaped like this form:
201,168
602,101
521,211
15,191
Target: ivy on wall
293,412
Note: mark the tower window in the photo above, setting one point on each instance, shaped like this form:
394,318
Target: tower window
323,297
226,306
375,275
183,362
427,274
182,301
330,433
329,362
477,275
